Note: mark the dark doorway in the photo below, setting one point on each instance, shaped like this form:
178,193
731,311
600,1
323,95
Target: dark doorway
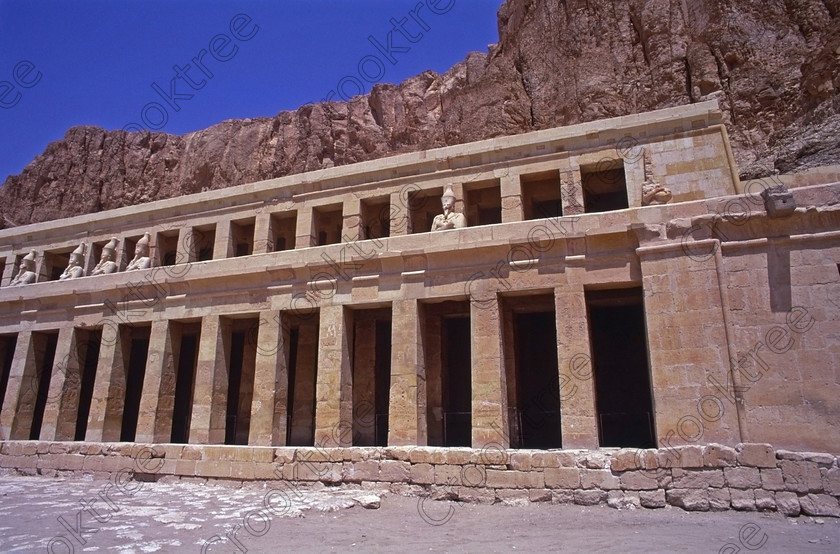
138,352
302,340
537,381
371,375
184,382
620,359
456,372
88,344
45,344
8,343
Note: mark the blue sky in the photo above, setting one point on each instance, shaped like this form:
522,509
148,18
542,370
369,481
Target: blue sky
94,62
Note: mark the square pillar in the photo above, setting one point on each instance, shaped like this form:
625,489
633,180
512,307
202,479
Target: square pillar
511,192
106,406
21,374
334,386
186,251
407,403
223,247
571,191
351,228
207,425
270,400
304,238
263,239
157,399
54,423
578,415
8,269
400,223
489,386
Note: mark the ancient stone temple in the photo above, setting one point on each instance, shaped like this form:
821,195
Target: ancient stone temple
606,285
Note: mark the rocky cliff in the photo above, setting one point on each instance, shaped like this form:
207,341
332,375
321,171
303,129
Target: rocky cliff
772,64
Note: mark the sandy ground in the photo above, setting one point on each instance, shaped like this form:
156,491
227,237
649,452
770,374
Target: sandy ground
39,513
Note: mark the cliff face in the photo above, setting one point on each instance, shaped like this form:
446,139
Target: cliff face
772,65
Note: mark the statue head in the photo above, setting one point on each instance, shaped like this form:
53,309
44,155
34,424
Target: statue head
447,200
77,256
28,262
142,248
109,251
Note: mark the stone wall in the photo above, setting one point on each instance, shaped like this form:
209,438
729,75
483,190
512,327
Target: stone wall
748,477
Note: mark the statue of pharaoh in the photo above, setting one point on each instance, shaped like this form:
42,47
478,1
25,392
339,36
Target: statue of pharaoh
74,268
449,219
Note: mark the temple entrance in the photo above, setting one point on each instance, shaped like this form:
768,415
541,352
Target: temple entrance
447,350
620,362
87,352
44,345
533,379
371,376
7,354
185,338
135,367
301,333
241,358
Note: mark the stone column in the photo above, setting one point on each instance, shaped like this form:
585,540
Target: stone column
106,406
400,223
351,230
304,238
578,415
303,416
270,401
334,386
12,426
223,248
66,362
511,192
407,404
207,425
157,400
186,250
263,239
571,191
8,269
489,388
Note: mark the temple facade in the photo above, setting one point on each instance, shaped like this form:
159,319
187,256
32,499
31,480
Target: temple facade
607,284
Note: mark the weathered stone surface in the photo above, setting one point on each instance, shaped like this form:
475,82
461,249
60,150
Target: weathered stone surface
718,455
697,479
598,479
719,499
589,498
652,499
622,500
368,501
770,66
742,500
772,479
689,499
819,505
765,500
756,455
801,476
742,477
788,503
562,478
637,480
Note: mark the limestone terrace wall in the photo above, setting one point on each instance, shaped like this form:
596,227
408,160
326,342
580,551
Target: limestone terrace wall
698,478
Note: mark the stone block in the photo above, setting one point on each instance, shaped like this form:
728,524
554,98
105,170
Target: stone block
520,461
479,495
595,460
742,477
624,460
191,453
756,455
688,499
622,500
778,201
399,453
460,456
718,455
831,480
185,467
447,475
801,476
719,499
697,479
265,472
552,459
212,469
563,496
688,456
285,455
765,501
589,498
772,480
819,505
262,454
394,471
742,500
501,479
367,470
562,477
242,470
652,499
819,458
539,495
599,479
788,503
514,497
638,480
420,455
422,474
